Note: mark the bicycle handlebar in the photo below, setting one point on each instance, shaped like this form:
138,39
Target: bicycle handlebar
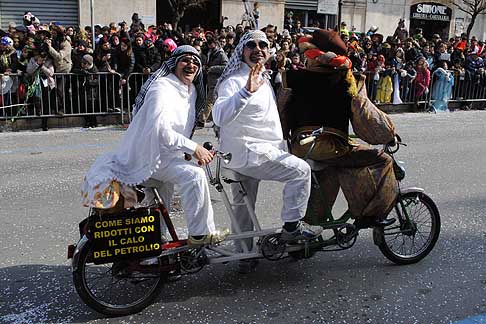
226,157
307,140
389,147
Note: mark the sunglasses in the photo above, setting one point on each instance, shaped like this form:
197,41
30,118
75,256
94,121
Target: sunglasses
252,45
189,59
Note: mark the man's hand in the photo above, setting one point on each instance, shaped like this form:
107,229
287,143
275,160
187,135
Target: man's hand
202,155
255,80
48,42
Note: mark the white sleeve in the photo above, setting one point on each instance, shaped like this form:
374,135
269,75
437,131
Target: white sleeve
232,99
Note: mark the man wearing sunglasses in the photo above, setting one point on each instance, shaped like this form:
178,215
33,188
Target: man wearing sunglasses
156,141
246,111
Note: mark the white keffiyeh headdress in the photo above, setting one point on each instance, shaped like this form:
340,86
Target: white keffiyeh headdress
236,59
169,67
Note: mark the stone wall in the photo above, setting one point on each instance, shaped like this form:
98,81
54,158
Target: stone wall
107,11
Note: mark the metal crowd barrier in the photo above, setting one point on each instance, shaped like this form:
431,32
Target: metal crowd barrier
465,89
135,82
408,91
103,94
68,94
11,94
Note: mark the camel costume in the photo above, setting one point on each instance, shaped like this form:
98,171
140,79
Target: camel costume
326,94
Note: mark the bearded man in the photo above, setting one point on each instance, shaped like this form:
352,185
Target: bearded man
246,112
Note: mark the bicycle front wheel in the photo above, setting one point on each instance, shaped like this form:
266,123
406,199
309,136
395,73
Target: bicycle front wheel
116,289
410,242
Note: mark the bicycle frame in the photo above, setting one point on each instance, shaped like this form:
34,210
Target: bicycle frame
220,253
330,222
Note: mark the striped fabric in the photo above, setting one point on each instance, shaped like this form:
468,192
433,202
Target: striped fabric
235,61
169,67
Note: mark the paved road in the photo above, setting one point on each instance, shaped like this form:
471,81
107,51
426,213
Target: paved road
40,174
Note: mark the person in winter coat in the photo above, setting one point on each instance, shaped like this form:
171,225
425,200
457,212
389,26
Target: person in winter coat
77,55
59,48
139,52
279,66
407,75
166,47
422,79
103,60
124,59
147,57
152,57
40,77
103,57
296,63
124,63
216,62
78,52
88,90
8,56
474,67
442,87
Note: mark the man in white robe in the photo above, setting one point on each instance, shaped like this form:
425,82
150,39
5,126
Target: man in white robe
246,112
154,145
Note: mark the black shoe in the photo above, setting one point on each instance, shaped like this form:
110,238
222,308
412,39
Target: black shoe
247,266
368,222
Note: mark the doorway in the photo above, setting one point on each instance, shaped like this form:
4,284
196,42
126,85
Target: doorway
208,16
430,28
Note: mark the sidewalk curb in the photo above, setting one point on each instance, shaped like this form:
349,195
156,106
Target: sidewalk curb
70,122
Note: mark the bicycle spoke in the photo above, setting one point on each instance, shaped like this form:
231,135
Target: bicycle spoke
402,243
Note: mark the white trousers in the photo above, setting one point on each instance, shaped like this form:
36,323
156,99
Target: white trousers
192,184
282,167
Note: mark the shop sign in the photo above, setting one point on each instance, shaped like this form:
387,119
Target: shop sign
132,234
430,11
329,7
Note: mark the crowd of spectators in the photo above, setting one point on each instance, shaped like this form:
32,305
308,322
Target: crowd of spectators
398,68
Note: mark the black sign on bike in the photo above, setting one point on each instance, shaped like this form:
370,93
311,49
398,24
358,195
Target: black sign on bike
132,234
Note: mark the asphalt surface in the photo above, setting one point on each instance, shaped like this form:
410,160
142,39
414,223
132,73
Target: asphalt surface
40,176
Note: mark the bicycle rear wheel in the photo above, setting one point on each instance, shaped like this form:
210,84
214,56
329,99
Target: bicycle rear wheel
116,289
410,243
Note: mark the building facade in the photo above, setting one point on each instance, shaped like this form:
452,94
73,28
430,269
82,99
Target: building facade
434,17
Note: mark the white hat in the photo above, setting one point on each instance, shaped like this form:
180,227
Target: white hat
6,83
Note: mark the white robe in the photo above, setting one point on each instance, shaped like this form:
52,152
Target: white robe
250,124
251,131
159,132
154,147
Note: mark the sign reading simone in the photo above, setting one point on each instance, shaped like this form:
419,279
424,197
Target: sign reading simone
134,234
430,11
